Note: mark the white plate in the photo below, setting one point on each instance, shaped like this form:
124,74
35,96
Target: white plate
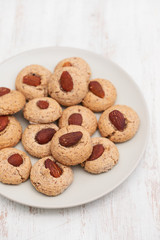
85,187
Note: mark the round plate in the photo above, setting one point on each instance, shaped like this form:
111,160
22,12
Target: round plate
85,187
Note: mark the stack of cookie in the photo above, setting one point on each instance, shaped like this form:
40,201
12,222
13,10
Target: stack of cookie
68,143
15,165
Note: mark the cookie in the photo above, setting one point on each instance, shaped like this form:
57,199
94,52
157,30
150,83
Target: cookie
42,110
78,63
78,115
10,131
15,166
50,177
102,95
32,81
36,139
67,86
71,145
103,157
11,101
119,123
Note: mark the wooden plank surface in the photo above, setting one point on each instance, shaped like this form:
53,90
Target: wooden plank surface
129,33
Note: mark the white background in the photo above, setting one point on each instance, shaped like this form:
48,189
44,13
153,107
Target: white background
127,31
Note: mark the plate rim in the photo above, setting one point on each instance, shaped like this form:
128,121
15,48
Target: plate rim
148,124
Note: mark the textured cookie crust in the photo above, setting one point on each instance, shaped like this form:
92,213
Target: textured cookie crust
11,103
89,121
75,154
31,145
106,161
98,104
78,63
107,129
11,135
73,97
31,92
43,182
10,174
35,114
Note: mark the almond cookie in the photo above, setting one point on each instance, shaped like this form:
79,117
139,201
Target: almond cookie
67,86
71,145
78,63
78,115
102,95
103,157
119,123
10,131
11,101
36,139
15,166
50,177
42,110
32,81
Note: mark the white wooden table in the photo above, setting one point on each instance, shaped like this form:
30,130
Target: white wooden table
129,33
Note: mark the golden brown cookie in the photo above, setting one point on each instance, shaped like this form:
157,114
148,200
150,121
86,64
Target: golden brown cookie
11,101
36,139
103,157
78,115
71,145
68,86
10,131
32,81
42,110
15,166
50,177
102,95
119,123
76,62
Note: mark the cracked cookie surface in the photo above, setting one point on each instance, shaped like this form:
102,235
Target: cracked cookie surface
42,110
96,103
38,77
88,118
74,154
11,134
45,183
107,129
106,161
75,94
78,63
10,174
11,102
30,143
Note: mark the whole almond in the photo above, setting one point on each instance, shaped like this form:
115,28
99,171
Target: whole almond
45,135
96,88
66,81
55,170
117,119
75,119
67,64
16,160
42,104
96,152
4,91
32,80
3,122
70,139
